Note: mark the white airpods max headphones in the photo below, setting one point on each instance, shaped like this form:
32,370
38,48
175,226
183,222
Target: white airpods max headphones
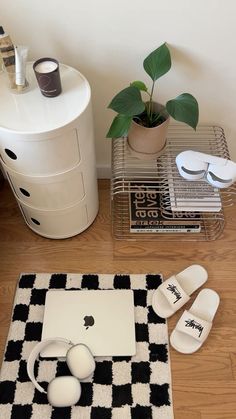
66,390
219,172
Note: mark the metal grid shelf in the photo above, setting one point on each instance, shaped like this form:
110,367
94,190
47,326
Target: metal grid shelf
195,206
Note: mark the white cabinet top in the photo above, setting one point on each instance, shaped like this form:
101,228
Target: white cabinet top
31,112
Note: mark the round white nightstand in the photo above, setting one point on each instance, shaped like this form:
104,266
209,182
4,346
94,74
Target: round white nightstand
47,152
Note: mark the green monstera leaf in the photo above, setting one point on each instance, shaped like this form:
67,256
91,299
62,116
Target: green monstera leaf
184,108
119,127
140,85
158,62
128,102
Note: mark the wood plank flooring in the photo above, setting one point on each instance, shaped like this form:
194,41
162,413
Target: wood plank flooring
204,384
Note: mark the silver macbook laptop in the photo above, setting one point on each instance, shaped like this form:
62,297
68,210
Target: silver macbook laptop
103,320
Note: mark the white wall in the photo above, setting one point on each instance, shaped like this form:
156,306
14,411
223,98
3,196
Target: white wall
108,40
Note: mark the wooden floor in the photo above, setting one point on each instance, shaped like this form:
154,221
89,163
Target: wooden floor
204,384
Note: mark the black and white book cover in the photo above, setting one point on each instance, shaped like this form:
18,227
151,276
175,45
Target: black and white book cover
146,214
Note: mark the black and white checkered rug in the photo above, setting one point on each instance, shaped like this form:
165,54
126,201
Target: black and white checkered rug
137,387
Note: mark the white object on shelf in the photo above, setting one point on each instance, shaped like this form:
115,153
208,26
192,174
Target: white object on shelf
47,151
218,171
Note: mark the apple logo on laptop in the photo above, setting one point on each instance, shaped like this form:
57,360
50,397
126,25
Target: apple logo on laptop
88,321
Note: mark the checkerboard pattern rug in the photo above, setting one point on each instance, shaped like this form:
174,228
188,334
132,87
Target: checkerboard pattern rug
137,387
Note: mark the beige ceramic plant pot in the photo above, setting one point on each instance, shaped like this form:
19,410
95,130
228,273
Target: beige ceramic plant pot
148,143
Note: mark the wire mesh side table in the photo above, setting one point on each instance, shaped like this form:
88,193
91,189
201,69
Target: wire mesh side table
184,210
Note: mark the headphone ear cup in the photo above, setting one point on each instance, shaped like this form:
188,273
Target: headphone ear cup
215,181
64,391
190,168
80,361
220,176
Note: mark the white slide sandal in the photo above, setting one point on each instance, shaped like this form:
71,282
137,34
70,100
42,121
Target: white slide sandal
175,291
195,324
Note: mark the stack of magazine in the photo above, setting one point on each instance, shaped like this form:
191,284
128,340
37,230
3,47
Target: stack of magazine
192,195
171,204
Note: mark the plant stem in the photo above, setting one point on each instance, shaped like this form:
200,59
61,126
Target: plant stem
149,109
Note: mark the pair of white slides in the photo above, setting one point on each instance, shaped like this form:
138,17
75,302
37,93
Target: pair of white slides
195,324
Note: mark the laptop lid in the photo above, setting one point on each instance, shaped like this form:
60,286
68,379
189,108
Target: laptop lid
102,319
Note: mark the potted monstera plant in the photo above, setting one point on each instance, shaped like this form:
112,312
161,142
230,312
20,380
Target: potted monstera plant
144,120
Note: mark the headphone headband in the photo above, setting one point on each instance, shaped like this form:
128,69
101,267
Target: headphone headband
207,158
34,355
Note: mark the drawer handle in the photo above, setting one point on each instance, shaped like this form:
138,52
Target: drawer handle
10,154
24,192
35,221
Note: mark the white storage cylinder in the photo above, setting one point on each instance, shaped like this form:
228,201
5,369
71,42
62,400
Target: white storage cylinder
47,151
60,224
41,157
48,192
